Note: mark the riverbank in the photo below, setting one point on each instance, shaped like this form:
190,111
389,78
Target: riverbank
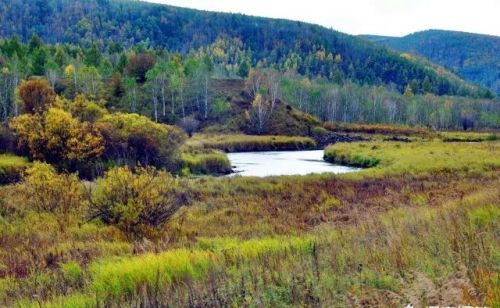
249,143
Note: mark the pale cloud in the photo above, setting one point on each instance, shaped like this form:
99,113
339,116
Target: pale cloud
384,17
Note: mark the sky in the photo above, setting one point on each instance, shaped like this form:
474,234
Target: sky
381,17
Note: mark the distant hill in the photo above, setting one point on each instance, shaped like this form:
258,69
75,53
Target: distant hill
312,50
474,57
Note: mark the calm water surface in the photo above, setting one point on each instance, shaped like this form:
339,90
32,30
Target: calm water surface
283,163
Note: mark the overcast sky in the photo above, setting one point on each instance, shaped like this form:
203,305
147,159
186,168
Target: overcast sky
383,17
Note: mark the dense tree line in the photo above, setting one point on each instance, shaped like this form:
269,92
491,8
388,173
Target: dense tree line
180,89
311,50
350,102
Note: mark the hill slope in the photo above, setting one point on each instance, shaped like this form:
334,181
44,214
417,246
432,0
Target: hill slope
311,50
474,57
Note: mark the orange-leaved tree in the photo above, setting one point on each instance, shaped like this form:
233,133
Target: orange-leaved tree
37,96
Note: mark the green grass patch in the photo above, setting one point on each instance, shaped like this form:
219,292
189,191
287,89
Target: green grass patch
211,162
249,143
416,157
120,278
380,129
468,136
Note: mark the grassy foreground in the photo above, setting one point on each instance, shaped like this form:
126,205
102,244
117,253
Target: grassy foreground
430,256
420,226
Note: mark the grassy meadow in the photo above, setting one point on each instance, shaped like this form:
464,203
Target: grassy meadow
419,224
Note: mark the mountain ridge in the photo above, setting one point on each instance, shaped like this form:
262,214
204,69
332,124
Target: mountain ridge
313,50
474,57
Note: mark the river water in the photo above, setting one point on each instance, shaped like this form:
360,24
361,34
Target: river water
283,163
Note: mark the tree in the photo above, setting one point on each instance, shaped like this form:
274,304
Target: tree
206,70
408,91
92,56
116,89
259,115
190,125
8,105
90,82
198,69
176,78
253,82
85,144
114,47
51,73
244,68
34,43
122,63
273,87
36,95
86,110
220,109
38,61
138,65
60,56
130,93
153,83
427,85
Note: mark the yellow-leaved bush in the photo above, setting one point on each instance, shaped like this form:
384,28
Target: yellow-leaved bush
49,191
57,137
138,203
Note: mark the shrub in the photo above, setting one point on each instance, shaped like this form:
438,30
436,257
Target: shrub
58,138
135,138
492,137
86,110
319,131
52,192
137,203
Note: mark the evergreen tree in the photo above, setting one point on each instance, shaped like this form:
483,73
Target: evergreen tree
244,68
92,56
38,61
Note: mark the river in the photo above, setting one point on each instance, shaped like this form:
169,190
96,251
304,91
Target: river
272,163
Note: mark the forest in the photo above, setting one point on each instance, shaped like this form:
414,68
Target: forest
474,57
169,87
117,188
326,53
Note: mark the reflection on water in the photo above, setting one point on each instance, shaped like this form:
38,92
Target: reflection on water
283,163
